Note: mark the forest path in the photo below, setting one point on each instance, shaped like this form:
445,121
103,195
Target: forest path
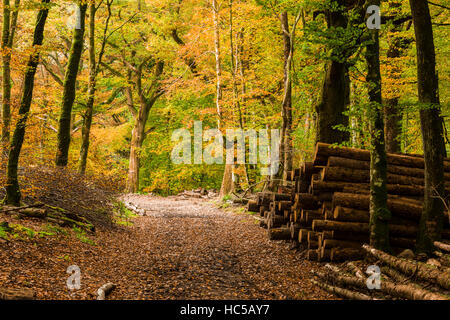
190,249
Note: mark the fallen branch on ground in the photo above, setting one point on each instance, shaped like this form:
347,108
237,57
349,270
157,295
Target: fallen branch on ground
105,290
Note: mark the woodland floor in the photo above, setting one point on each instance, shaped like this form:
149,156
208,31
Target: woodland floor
182,249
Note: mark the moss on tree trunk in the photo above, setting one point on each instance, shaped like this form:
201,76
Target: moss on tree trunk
333,99
379,212
12,184
69,92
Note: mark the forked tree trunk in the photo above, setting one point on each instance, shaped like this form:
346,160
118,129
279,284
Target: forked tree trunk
69,92
138,137
147,98
379,213
12,184
432,128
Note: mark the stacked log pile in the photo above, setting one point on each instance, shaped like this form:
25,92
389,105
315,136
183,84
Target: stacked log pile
324,205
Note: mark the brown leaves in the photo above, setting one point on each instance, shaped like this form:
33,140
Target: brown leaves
184,249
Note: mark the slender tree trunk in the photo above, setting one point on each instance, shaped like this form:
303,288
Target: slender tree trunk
333,102
432,128
9,28
12,184
227,181
234,68
6,110
379,213
137,140
93,72
286,108
69,92
87,118
215,10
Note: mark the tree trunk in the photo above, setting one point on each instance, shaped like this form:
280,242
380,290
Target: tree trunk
286,108
379,212
227,181
432,128
392,126
87,118
137,139
93,72
69,92
236,103
333,99
12,184
215,10
9,29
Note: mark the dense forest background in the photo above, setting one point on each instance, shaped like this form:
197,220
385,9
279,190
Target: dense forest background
170,58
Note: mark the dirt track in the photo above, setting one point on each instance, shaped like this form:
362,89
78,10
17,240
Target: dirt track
199,251
182,249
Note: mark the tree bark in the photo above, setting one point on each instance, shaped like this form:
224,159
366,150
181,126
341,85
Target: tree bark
279,234
146,101
69,91
403,207
93,72
432,128
419,270
286,108
324,150
12,184
333,99
9,29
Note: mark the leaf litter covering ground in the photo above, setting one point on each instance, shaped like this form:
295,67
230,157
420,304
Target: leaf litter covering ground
182,249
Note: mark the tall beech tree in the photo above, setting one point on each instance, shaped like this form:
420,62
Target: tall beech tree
432,128
69,90
286,152
13,194
227,185
147,96
9,29
379,213
333,103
